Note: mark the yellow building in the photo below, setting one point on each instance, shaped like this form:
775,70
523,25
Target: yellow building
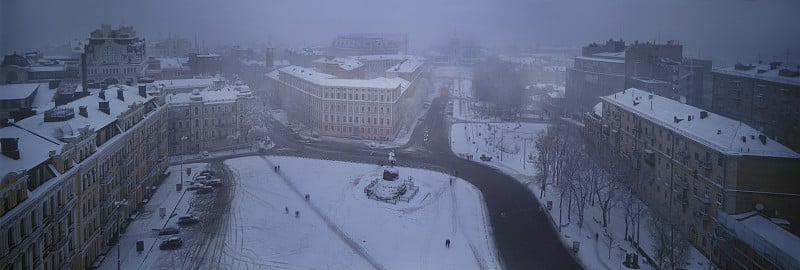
693,164
67,169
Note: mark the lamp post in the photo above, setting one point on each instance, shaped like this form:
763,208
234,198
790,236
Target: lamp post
117,205
184,138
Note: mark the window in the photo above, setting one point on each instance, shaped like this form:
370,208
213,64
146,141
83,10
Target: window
109,55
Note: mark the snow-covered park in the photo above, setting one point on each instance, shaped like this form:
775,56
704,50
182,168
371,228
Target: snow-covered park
340,228
511,147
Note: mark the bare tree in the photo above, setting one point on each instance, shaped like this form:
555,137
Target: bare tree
670,247
607,188
545,144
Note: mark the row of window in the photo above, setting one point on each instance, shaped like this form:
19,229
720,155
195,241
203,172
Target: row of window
351,129
352,119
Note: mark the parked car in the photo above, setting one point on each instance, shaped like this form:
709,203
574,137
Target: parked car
171,243
195,186
188,220
205,190
169,231
214,182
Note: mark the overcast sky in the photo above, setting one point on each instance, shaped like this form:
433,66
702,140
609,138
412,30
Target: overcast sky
723,30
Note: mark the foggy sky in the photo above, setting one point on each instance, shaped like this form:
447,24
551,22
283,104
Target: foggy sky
722,30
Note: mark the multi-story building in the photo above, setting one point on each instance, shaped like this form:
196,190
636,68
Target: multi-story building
658,68
303,57
16,68
369,44
753,240
210,119
173,47
115,56
206,64
330,106
341,67
693,165
73,174
766,97
592,77
168,68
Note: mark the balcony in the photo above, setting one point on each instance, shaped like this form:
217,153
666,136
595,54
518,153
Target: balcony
704,163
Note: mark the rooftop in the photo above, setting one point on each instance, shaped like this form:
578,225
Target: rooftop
763,235
726,135
227,94
378,57
763,72
323,79
186,83
345,63
17,91
614,55
34,150
407,66
600,59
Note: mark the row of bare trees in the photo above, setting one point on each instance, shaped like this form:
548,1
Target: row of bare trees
600,180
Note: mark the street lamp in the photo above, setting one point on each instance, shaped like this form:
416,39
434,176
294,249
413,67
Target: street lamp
117,205
181,145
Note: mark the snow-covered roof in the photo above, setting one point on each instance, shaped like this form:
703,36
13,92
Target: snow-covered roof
524,60
249,62
598,109
378,57
226,94
343,63
172,62
407,66
17,91
617,55
56,131
763,235
767,74
186,83
47,68
598,59
715,131
323,79
34,150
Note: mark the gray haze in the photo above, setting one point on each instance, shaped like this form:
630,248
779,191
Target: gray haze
722,30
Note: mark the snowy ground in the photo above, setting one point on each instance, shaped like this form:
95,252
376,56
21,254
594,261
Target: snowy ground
517,143
148,221
341,229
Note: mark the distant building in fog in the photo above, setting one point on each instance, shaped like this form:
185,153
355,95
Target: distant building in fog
115,55
369,44
207,64
173,47
599,71
766,97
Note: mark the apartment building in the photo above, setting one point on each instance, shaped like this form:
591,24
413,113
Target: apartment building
330,106
766,97
75,173
210,119
694,165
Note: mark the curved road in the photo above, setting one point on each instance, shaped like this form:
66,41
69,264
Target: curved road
524,237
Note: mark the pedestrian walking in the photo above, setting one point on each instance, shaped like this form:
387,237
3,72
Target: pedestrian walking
297,214
596,236
447,243
451,181
286,210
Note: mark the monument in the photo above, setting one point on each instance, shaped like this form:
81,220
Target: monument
389,188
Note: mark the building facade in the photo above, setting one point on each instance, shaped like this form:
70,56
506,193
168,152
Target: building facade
173,47
329,106
369,44
115,56
693,164
73,174
592,77
766,97
210,120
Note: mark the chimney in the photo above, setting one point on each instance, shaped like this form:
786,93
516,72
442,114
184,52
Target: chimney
10,147
83,111
689,118
703,114
104,107
83,73
763,139
719,131
119,94
102,94
143,91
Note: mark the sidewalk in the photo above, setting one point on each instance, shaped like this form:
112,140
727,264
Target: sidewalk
148,221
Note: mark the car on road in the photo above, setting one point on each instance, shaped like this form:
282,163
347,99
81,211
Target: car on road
214,182
373,145
304,141
169,231
207,173
205,190
188,220
205,153
195,186
171,243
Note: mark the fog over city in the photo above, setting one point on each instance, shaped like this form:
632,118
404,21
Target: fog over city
728,31
415,134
